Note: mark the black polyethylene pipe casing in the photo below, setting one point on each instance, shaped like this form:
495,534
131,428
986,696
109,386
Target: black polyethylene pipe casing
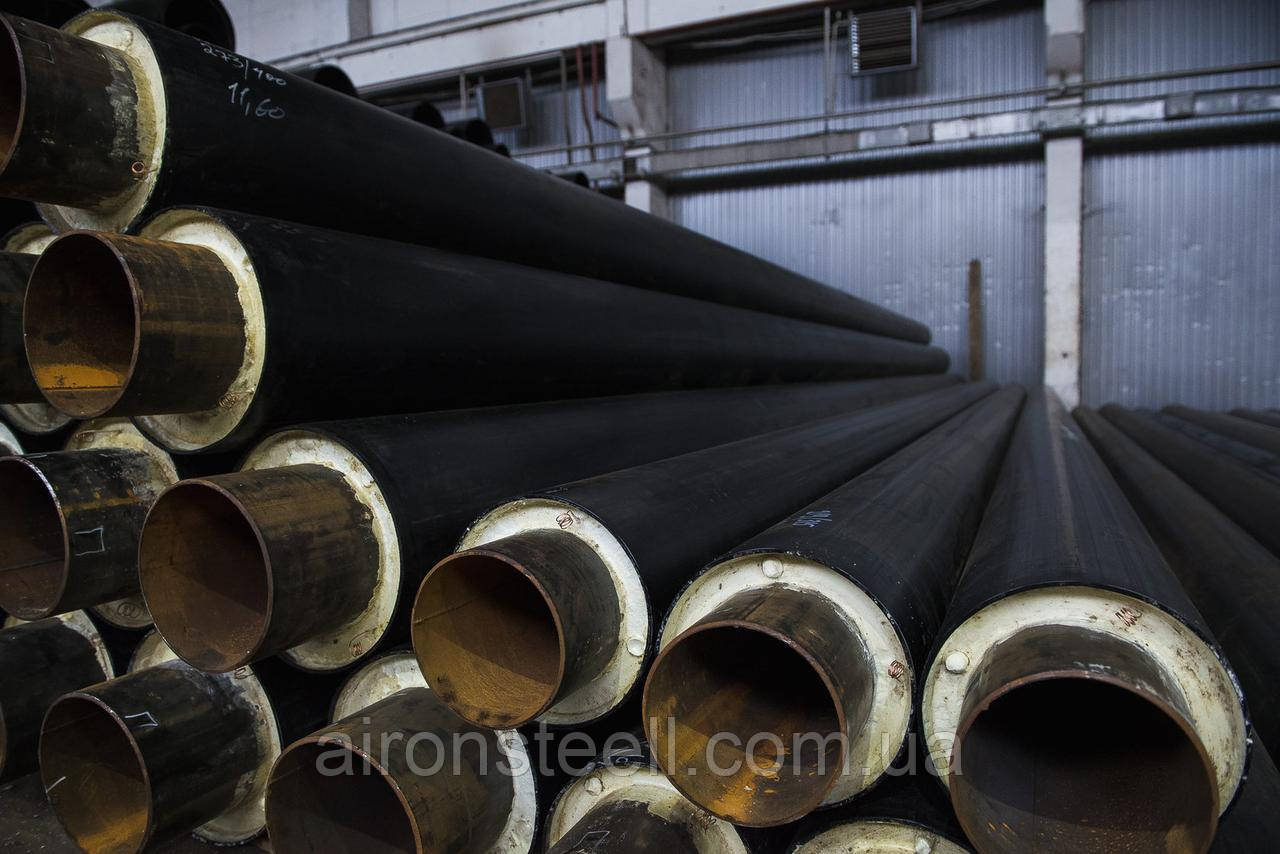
1221,472
1229,575
16,383
428,329
1260,436
673,515
39,662
330,77
1253,824
436,471
898,532
206,20
1057,521
396,179
1269,417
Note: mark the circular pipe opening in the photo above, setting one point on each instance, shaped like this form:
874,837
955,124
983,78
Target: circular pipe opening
325,797
13,90
81,325
95,778
205,576
488,640
33,542
753,726
1068,763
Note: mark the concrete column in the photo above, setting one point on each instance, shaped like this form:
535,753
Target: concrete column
636,86
1064,181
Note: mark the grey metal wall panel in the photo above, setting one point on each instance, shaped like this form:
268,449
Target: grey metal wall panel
973,54
1145,36
905,240
1181,258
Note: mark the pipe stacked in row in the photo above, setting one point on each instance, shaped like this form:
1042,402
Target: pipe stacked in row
117,126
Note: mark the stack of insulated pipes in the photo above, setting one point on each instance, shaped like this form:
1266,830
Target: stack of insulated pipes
655,486
190,302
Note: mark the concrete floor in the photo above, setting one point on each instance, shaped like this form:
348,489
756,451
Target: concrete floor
28,825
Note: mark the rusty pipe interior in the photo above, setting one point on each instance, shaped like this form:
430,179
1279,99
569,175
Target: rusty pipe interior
403,774
504,630
750,709
242,566
86,747
129,326
357,811
1074,740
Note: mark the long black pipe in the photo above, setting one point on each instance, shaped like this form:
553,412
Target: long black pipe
1248,453
391,177
549,614
1058,702
434,472
330,77
898,533
1269,417
1231,577
1246,493
1252,433
39,662
202,19
351,326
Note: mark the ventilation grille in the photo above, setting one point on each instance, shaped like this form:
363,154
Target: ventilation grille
884,40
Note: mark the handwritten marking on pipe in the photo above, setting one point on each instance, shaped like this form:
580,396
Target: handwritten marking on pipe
565,520
149,720
591,841
812,519
88,542
54,783
896,669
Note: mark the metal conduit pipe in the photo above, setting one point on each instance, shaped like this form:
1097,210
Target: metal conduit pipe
39,662
212,326
804,643
167,750
547,609
16,383
402,774
104,136
229,579
1073,670
70,523
1229,575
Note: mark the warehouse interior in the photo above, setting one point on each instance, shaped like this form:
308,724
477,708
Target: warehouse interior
698,426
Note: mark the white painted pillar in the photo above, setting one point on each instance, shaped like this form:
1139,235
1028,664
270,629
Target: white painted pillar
636,86
1063,225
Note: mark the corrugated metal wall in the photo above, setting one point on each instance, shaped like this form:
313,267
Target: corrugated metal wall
1181,256
905,238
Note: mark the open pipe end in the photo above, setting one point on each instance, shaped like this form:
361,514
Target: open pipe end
94,776
1071,761
324,795
81,322
744,723
13,91
33,542
489,640
206,576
